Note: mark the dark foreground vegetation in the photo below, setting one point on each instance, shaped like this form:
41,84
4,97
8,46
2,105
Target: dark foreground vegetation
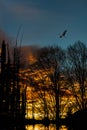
53,84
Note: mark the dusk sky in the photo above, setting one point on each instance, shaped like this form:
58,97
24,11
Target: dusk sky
42,21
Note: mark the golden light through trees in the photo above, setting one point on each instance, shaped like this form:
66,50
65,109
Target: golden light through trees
50,87
39,92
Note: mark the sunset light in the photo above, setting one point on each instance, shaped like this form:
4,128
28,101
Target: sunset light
43,65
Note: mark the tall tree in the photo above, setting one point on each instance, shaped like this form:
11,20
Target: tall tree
50,60
77,74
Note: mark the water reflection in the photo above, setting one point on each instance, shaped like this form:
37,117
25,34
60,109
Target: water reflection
42,127
63,127
34,127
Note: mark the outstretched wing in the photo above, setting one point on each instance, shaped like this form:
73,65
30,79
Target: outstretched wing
63,34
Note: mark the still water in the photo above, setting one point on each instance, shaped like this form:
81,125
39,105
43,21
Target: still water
34,127
42,127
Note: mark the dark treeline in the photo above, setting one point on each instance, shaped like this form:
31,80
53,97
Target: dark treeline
65,76
55,84
12,99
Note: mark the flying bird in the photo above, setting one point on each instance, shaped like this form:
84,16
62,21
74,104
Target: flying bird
63,34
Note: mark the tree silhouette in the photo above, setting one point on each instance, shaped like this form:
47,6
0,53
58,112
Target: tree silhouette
77,73
50,61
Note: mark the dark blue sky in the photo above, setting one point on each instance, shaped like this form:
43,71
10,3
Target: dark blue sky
42,21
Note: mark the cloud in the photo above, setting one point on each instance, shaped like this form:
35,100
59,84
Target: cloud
23,11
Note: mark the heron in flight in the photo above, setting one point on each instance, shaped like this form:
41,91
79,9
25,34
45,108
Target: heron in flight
63,34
